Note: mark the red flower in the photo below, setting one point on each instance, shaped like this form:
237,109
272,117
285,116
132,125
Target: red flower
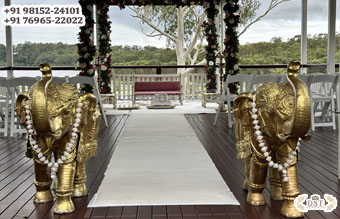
110,60
103,90
81,73
205,68
212,77
91,66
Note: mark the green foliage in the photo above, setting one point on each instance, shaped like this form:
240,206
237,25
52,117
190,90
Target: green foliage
275,52
279,52
248,10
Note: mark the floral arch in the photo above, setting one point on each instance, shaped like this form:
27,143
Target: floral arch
87,51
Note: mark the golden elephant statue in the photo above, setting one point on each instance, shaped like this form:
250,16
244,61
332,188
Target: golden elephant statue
63,123
268,126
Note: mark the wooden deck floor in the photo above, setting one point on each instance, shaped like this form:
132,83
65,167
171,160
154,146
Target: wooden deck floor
317,174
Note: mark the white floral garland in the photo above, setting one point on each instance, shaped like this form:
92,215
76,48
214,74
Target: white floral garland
264,148
69,146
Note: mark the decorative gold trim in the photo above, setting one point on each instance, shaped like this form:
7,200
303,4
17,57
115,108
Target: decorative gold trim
256,186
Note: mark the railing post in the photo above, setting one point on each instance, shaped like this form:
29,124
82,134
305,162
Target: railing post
158,70
304,35
9,45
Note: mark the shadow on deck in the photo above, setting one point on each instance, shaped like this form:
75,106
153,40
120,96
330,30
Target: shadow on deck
317,175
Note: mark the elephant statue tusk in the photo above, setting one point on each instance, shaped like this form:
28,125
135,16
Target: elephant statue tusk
282,137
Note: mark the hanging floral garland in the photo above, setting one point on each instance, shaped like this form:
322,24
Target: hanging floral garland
86,48
104,50
232,19
211,36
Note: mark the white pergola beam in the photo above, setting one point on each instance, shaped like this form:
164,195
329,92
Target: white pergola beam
303,35
9,44
331,36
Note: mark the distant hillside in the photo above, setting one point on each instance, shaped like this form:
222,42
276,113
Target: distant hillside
275,52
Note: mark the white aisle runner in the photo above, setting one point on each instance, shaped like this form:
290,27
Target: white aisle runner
160,161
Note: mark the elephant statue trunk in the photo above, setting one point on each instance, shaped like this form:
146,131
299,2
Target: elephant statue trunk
63,124
268,127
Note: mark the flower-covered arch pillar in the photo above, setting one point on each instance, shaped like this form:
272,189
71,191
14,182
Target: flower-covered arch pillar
87,50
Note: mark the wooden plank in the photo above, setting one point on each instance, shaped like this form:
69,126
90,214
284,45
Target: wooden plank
129,212
189,210
114,212
159,211
99,213
218,210
174,211
204,210
144,212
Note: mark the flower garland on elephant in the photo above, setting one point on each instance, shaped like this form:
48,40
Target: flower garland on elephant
86,48
232,19
211,36
104,51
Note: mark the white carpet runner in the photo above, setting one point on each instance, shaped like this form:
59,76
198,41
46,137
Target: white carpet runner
160,161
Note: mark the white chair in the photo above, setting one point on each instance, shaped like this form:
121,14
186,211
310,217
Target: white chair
322,91
93,82
16,86
59,80
307,79
244,82
258,80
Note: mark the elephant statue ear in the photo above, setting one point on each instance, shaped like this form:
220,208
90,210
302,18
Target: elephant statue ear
39,104
21,102
89,128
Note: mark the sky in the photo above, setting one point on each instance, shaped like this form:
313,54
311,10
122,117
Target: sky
284,21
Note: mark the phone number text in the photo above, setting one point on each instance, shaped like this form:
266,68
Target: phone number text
41,21
21,10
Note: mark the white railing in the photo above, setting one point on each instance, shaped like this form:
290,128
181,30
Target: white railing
192,85
122,85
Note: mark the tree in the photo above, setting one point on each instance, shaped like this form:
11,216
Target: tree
182,26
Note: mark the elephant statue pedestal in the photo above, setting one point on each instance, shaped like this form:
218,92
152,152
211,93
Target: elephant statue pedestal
268,126
63,124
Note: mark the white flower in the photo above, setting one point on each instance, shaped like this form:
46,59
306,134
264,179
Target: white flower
104,37
231,21
86,55
103,67
90,71
235,67
211,63
87,31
